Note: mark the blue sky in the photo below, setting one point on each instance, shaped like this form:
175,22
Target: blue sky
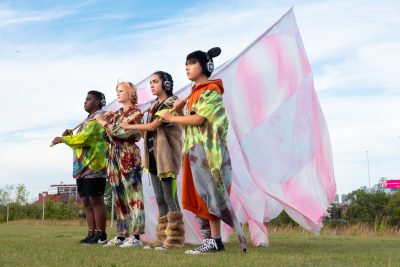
53,52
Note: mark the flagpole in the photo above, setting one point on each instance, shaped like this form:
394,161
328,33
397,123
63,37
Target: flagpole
43,199
112,208
236,223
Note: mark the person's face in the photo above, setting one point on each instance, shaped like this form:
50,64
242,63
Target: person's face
193,70
156,85
91,103
122,94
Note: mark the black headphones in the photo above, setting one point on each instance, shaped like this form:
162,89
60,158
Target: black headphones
167,85
210,64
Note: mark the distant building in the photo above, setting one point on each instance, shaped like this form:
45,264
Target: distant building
336,200
61,193
389,186
340,199
342,202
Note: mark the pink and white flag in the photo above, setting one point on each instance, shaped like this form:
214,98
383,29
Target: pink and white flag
278,139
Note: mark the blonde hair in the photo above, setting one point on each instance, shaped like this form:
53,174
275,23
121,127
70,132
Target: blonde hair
131,89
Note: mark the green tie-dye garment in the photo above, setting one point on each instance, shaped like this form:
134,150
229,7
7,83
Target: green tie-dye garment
90,149
212,134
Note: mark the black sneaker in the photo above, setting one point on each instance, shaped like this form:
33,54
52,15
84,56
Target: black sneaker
89,236
102,238
99,237
209,246
220,245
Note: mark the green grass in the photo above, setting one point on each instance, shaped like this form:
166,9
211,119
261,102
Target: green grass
57,245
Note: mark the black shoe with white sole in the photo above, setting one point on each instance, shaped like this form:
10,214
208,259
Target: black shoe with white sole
209,246
89,236
99,237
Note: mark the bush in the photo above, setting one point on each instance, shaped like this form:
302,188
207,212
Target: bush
53,211
393,210
366,207
282,220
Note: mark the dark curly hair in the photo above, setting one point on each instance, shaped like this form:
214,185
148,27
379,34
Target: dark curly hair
99,96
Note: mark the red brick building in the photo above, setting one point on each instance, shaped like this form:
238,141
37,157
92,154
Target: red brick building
61,193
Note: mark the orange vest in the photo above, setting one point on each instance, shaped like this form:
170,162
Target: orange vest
190,199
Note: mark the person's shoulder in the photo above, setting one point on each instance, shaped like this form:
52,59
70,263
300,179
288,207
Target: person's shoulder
213,87
154,102
210,93
93,123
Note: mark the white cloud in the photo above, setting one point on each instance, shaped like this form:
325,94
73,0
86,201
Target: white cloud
10,17
371,68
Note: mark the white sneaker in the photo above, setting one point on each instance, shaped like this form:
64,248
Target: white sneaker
161,249
131,242
114,242
147,247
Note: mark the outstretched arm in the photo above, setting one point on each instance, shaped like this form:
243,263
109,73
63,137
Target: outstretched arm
89,135
195,120
148,127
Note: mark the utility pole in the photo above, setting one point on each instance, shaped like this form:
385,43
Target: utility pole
8,210
369,176
43,200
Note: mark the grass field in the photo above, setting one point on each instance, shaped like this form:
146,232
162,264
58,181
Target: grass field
33,244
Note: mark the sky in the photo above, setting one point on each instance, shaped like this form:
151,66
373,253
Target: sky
53,52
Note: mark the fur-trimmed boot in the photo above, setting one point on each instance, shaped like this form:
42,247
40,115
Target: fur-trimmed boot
160,232
175,230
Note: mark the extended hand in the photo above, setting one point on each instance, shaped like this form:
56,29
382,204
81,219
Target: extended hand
108,114
98,117
124,125
67,132
56,140
166,115
179,104
138,115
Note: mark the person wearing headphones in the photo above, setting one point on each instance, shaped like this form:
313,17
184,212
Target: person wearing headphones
206,166
89,167
124,168
162,159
